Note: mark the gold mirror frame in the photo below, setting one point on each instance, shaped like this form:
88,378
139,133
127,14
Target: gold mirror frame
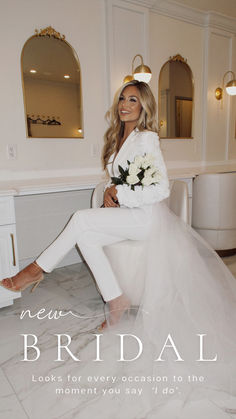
177,58
60,119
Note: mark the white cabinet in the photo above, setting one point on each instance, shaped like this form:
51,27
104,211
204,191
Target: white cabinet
189,182
8,248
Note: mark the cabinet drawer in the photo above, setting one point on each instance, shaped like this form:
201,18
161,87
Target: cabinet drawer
7,212
8,251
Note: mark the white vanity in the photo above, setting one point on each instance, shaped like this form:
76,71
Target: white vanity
9,264
33,212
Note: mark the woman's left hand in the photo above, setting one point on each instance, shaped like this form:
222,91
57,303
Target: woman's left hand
110,197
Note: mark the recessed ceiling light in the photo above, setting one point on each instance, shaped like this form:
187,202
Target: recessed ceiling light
33,71
66,76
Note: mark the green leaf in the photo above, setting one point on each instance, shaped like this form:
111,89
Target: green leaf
116,181
122,171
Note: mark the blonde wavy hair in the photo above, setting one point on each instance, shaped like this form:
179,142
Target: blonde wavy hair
147,119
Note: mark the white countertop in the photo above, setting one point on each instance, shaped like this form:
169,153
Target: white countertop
70,183
177,173
47,185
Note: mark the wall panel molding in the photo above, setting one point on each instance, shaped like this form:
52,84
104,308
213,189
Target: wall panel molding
132,20
221,34
188,14
218,113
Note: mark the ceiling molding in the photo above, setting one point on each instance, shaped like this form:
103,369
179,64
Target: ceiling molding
189,14
223,22
144,3
179,11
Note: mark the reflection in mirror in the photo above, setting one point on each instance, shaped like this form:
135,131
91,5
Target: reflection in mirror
175,104
52,87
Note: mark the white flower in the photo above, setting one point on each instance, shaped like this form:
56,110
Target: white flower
133,169
151,171
147,180
138,161
156,177
148,161
132,179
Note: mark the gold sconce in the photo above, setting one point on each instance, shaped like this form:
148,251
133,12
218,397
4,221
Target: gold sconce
141,73
230,87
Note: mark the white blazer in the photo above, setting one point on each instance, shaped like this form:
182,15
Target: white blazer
139,143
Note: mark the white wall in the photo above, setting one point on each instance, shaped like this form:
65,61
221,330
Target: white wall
232,119
130,29
82,22
206,40
171,35
217,121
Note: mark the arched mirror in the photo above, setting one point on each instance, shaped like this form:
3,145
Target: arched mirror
175,101
52,88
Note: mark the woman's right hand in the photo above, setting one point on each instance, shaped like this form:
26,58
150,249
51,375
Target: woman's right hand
110,197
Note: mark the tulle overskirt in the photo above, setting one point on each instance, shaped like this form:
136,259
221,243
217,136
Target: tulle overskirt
183,329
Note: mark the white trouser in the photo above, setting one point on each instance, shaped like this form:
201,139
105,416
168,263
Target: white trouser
91,229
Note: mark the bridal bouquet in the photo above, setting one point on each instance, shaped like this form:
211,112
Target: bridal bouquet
141,172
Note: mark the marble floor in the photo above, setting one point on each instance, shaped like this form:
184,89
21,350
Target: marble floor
27,388
66,289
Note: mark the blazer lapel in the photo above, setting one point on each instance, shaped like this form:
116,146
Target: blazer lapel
121,153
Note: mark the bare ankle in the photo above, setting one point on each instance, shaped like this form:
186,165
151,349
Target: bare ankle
120,300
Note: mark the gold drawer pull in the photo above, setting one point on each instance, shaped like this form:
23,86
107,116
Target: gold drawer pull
13,249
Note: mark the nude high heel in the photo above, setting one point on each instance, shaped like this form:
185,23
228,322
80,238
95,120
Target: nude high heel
125,308
35,282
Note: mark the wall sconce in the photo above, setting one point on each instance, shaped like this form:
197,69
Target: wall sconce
141,73
230,87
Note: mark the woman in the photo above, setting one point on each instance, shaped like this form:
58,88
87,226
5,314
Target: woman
185,324
126,213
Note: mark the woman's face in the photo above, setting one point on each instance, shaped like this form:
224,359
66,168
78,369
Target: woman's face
129,106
